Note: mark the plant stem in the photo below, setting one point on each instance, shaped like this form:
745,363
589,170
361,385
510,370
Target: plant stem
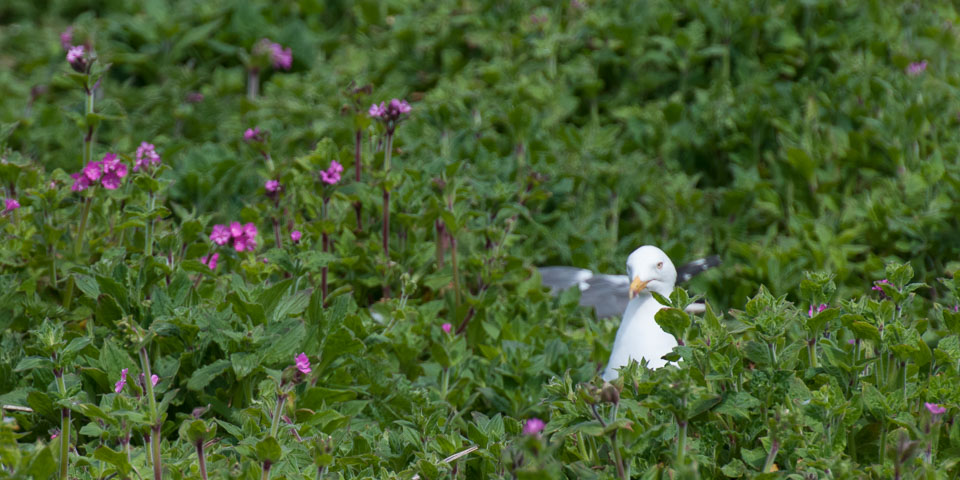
812,352
201,460
77,247
320,472
148,239
325,240
682,441
253,83
275,423
386,213
88,137
456,269
154,418
266,470
358,164
774,447
445,383
64,427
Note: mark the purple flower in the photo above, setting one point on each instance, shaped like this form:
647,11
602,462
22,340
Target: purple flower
916,68
295,236
113,171
282,57
934,409
254,134
399,106
194,97
303,363
877,287
331,175
852,341
446,327
146,156
77,58
154,379
272,186
92,171
66,38
220,235
80,182
118,387
377,111
210,261
533,426
814,310
10,204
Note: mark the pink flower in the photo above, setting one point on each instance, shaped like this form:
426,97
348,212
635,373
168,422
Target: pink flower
272,186
80,182
10,204
240,244
282,57
399,106
446,327
210,261
77,58
250,230
331,175
916,68
92,171
934,409
877,287
814,310
55,434
533,426
118,387
295,236
254,134
146,156
113,171
303,363
377,111
66,38
154,379
220,235
236,229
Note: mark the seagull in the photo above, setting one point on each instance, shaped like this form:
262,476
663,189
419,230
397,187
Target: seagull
610,294
639,336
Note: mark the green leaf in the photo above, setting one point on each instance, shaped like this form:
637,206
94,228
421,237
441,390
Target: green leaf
734,469
113,457
30,363
268,449
205,375
673,321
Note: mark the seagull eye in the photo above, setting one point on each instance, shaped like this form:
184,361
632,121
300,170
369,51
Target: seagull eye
660,266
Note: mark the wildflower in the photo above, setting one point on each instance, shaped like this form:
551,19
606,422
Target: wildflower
66,38
194,97
331,175
154,379
295,236
303,363
113,171
55,434
254,134
272,186
92,171
210,261
877,287
446,327
282,57
80,182
389,112
118,387
934,409
10,204
220,235
533,426
146,156
916,68
77,58
814,310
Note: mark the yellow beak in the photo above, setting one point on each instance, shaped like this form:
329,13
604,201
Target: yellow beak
637,286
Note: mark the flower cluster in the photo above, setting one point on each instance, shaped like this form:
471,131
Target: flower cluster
78,59
282,58
210,260
10,204
916,68
146,156
817,309
255,135
295,236
108,171
389,112
331,175
303,363
244,237
533,426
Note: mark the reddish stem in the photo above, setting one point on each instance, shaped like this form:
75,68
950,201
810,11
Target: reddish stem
358,163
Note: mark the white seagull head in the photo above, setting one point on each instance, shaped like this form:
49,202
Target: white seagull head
649,269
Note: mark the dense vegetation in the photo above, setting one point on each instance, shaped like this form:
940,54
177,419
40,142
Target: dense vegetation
195,192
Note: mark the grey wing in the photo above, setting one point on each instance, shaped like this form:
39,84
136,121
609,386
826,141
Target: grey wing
559,279
607,294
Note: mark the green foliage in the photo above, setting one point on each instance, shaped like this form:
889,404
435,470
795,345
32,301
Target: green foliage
789,139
